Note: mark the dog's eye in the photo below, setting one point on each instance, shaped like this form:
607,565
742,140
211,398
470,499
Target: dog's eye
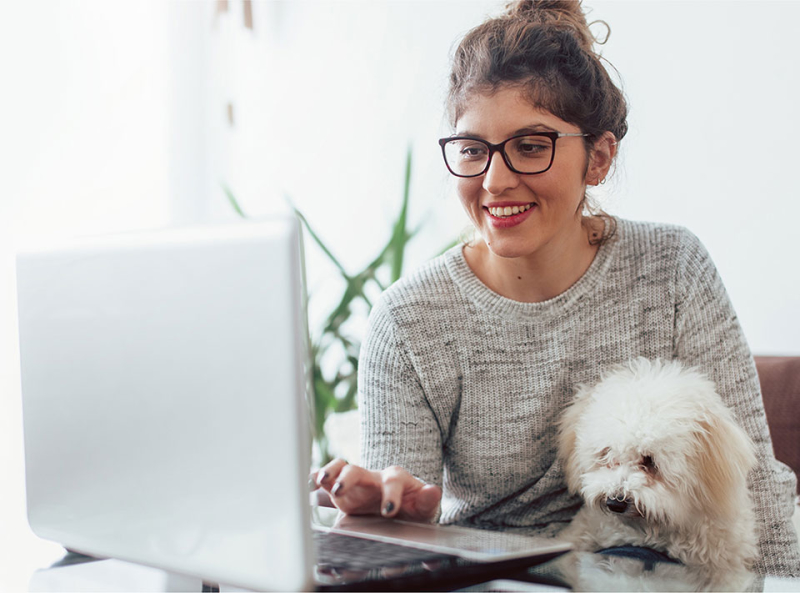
648,464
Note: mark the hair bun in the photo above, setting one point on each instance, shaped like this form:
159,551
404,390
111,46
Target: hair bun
560,14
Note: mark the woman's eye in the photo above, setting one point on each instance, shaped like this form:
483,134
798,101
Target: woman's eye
474,151
532,148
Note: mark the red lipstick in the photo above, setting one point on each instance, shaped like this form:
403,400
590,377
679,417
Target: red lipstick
504,222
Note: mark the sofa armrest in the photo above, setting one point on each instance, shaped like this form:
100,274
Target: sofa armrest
780,388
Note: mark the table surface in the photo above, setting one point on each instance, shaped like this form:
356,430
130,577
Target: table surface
32,564
48,569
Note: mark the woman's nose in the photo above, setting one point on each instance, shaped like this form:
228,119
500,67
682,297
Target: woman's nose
498,177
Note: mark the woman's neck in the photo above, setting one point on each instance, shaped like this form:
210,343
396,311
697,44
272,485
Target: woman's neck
537,277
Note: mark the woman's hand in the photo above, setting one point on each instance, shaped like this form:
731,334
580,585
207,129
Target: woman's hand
392,492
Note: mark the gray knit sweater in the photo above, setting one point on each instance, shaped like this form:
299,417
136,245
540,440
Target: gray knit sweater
463,387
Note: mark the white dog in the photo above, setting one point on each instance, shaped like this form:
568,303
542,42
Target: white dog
660,463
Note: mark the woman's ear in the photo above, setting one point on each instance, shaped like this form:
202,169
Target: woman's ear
600,158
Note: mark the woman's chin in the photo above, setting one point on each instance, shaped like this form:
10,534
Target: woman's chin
509,249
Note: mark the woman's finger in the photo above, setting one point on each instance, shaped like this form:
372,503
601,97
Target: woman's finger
421,503
349,476
357,491
312,480
393,485
427,501
329,473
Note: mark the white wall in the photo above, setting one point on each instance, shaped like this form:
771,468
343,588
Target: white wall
712,143
84,149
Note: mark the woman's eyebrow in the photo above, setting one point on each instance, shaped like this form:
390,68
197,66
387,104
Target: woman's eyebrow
532,129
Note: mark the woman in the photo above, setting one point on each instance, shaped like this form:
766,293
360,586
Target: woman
468,363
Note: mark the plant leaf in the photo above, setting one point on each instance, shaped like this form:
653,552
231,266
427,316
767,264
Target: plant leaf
233,201
349,400
325,400
400,236
322,245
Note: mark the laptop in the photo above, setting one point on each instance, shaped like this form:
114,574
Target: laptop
166,421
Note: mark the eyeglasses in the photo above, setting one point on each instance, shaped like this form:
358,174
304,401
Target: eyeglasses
526,154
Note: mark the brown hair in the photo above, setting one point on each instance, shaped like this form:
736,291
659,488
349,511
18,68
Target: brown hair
545,48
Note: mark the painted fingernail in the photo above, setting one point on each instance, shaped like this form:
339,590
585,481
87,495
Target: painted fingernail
323,477
388,508
312,484
337,489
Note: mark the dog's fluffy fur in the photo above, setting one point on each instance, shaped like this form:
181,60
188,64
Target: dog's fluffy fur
655,441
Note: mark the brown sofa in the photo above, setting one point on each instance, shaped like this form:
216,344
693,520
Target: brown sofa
780,386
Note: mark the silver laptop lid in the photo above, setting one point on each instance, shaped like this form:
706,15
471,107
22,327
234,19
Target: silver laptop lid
163,400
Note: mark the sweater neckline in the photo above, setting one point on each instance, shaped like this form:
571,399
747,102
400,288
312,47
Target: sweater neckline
490,301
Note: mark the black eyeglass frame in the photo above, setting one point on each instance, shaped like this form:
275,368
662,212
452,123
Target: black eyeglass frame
501,148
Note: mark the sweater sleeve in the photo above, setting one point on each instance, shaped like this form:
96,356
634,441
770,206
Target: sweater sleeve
708,335
398,426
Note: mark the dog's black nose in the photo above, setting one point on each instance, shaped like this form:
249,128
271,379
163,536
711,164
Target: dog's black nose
618,506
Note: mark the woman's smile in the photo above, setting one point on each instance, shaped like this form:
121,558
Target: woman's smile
503,215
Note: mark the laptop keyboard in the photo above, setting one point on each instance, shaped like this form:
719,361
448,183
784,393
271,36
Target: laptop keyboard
343,551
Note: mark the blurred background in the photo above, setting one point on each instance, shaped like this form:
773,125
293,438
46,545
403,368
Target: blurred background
124,115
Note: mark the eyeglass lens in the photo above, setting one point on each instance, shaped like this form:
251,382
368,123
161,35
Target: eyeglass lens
526,154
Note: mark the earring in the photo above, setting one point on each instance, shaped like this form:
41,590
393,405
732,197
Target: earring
602,181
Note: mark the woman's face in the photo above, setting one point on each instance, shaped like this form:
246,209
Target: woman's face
553,198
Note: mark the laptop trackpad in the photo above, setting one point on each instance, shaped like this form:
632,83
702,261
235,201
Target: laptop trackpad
473,544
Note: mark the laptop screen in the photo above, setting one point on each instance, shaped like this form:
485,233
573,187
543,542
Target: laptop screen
164,400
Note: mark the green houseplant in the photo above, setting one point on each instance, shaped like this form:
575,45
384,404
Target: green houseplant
335,391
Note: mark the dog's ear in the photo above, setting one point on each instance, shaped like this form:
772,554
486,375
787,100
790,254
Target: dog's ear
724,459
568,435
